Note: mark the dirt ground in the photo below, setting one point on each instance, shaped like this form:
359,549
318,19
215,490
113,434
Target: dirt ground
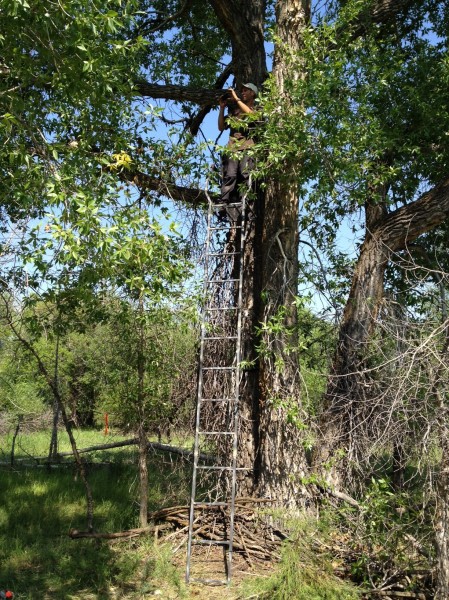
208,564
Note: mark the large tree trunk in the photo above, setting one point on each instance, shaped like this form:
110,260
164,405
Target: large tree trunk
270,391
279,472
345,407
244,22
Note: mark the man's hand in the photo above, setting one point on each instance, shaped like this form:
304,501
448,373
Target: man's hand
233,94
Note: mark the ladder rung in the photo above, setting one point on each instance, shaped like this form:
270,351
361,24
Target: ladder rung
219,368
211,504
217,399
227,204
222,308
223,253
210,309
211,542
222,337
209,581
223,468
233,280
215,433
225,228
212,468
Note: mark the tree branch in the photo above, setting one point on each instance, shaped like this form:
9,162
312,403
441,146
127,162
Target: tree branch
151,446
404,225
381,13
152,25
195,122
130,533
201,96
195,198
384,11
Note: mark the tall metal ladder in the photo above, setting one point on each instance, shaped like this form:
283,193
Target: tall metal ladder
212,502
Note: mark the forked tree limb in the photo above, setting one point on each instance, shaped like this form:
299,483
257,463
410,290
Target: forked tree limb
244,35
407,223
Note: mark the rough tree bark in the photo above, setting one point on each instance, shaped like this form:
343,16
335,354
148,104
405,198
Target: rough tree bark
279,473
270,390
387,233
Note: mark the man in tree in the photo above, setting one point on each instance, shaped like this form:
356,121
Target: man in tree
237,163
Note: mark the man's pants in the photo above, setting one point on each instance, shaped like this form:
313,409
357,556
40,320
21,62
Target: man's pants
235,177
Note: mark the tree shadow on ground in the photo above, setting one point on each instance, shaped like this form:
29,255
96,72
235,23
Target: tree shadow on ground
38,508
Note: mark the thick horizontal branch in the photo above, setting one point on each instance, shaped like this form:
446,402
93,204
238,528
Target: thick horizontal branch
129,533
131,442
122,444
385,11
194,197
385,15
404,225
201,96
382,13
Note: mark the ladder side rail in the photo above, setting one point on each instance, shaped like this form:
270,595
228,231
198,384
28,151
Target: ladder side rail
237,382
199,394
207,311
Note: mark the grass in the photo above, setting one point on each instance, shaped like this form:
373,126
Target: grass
39,506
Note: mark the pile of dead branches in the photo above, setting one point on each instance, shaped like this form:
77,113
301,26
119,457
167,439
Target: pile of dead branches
255,537
384,580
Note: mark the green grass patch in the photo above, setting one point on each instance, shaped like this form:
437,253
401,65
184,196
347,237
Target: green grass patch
38,507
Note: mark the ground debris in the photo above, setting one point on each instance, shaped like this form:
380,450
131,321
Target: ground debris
255,537
387,579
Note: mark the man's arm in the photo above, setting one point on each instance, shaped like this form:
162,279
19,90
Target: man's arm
242,106
221,118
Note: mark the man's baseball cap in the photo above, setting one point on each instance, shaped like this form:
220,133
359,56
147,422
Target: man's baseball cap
252,87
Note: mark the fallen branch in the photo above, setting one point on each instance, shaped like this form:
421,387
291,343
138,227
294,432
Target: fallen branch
130,533
131,442
394,594
339,496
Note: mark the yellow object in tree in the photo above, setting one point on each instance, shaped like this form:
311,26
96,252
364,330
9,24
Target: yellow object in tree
122,160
